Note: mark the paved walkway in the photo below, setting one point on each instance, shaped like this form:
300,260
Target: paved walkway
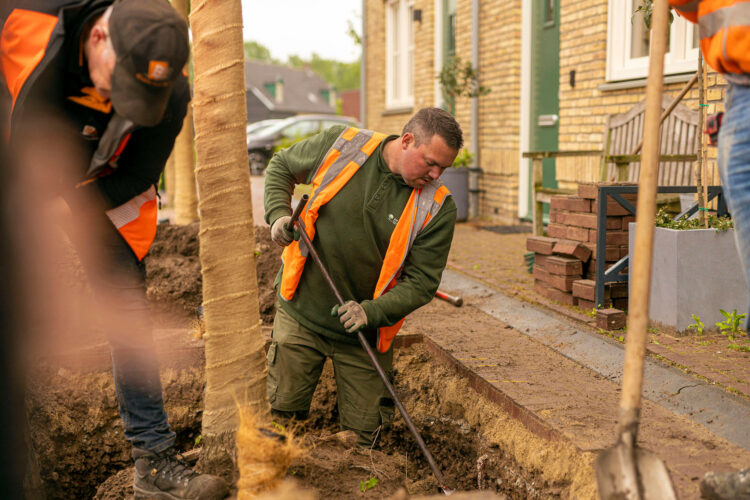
696,398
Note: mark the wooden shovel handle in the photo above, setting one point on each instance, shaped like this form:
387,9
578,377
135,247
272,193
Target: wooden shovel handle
632,382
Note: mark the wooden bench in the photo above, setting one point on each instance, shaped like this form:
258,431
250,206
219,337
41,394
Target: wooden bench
623,133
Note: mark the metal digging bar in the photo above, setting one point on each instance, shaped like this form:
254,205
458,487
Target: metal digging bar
363,341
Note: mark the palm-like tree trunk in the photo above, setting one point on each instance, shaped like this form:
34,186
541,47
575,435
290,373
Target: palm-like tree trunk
169,180
185,195
235,358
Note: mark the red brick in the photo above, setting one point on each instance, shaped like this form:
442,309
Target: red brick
551,293
557,216
583,304
590,190
614,208
577,233
562,283
611,252
540,260
610,319
584,289
576,204
623,251
592,236
540,274
618,290
621,303
626,221
558,203
540,244
590,221
557,231
617,237
565,266
572,248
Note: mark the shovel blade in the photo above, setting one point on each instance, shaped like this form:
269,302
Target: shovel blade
618,477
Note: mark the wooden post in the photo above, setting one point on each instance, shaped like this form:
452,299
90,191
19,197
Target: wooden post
632,386
536,181
699,142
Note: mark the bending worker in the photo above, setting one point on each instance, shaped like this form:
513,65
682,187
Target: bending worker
725,43
382,223
112,74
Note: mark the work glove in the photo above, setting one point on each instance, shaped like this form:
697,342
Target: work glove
280,234
352,315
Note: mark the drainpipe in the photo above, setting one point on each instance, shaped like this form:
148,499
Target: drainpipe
363,68
474,170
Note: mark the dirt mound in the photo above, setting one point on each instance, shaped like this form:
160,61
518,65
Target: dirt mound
173,269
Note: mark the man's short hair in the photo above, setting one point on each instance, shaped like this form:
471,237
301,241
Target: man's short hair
430,121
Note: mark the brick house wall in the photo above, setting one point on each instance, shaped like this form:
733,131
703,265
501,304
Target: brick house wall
583,109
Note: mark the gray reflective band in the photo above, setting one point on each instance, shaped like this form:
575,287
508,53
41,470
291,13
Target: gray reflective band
348,150
735,15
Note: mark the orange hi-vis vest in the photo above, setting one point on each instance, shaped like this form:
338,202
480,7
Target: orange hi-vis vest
31,39
724,27
348,153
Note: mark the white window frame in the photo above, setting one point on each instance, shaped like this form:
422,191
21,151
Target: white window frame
681,58
399,54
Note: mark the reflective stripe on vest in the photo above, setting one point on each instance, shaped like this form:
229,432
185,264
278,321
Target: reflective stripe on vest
24,39
724,27
340,163
348,153
136,221
423,204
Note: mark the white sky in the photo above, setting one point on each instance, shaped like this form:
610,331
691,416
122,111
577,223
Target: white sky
301,27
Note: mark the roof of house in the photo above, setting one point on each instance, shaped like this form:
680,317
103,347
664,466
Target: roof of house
302,88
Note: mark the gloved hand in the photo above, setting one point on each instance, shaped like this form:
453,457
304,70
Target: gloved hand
279,233
351,315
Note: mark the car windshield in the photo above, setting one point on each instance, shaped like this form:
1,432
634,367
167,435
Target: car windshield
272,128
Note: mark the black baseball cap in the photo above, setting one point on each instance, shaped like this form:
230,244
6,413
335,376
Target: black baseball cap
151,43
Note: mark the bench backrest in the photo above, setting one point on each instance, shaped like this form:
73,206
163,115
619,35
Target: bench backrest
678,131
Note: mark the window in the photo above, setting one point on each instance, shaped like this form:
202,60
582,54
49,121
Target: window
627,44
399,71
301,129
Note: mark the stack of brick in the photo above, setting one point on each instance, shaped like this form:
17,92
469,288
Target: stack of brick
565,262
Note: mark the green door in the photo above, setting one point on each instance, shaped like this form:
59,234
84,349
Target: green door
545,85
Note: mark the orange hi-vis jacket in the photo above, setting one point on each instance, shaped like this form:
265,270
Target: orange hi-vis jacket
724,27
343,160
31,43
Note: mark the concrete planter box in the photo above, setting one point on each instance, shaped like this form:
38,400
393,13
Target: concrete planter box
457,182
695,271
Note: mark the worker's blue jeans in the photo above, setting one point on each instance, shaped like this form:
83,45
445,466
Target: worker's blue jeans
118,282
734,166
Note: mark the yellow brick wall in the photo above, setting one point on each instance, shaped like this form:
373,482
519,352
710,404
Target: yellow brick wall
499,111
584,109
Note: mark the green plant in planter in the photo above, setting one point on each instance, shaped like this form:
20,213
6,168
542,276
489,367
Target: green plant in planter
731,324
463,159
664,219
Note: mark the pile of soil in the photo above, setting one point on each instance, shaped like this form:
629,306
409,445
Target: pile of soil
173,269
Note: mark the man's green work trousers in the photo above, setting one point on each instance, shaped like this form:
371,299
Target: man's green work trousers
295,362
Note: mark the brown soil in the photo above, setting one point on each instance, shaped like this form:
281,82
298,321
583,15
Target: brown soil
173,269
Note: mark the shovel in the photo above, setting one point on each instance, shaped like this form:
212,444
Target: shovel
363,341
625,471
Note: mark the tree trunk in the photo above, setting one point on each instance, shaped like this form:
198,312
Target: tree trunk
185,195
235,358
169,181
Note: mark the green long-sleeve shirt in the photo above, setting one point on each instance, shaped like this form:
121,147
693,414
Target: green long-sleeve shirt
352,235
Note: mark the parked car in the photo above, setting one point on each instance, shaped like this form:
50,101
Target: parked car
263,142
255,127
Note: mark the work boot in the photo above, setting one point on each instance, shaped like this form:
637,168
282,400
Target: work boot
726,486
167,476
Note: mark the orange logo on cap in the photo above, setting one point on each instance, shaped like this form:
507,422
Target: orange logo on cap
158,70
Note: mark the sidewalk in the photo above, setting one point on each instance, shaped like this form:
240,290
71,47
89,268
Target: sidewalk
557,375
497,261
